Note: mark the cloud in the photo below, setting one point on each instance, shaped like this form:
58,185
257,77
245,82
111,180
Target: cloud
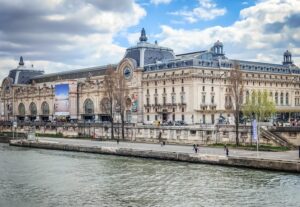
262,33
206,10
63,33
157,2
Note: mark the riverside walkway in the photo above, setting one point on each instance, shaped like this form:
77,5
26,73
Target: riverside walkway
286,155
282,161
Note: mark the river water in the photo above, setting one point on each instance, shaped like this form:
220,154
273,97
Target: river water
36,177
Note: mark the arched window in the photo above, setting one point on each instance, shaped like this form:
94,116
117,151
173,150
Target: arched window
45,108
287,98
281,98
276,98
32,109
88,106
21,109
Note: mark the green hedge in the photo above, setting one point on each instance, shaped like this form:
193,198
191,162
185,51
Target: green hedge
262,147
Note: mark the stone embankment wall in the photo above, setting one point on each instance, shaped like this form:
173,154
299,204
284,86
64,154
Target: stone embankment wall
202,135
257,163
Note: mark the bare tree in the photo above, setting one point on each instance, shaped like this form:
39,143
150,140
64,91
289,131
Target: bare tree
108,103
121,97
236,91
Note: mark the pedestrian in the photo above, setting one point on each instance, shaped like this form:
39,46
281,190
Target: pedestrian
226,150
159,138
197,147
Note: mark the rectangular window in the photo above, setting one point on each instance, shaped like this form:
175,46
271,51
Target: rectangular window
182,117
147,100
155,100
203,119
182,99
213,119
164,100
213,99
173,116
148,118
173,100
203,99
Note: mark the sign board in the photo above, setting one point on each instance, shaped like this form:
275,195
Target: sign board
254,130
31,136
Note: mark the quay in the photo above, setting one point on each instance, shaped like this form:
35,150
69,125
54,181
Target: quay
276,161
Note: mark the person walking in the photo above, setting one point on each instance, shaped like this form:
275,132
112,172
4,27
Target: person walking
226,150
195,148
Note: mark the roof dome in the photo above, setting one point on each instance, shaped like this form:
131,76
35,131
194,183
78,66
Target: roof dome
145,53
218,43
287,53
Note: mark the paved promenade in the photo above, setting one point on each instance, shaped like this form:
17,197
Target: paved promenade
286,156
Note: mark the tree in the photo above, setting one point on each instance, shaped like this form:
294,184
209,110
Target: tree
236,91
108,103
121,97
260,105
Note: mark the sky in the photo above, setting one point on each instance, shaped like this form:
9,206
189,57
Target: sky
60,35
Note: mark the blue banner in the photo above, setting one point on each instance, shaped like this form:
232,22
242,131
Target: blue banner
254,130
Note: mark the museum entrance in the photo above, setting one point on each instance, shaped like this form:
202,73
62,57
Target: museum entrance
45,118
32,118
104,117
20,118
88,117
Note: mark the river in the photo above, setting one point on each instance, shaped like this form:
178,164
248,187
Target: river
37,177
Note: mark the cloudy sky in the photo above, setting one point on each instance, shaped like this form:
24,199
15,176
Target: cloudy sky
57,35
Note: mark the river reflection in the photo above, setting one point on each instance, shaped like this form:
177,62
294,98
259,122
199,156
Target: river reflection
35,177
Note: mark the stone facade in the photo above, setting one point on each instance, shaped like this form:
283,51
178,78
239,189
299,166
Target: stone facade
191,87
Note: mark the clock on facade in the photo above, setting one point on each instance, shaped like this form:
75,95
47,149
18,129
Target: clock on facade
127,73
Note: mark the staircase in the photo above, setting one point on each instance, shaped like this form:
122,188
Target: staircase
275,138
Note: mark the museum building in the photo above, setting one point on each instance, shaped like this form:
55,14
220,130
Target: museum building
191,87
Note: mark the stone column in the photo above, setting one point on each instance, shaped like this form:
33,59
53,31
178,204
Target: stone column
142,56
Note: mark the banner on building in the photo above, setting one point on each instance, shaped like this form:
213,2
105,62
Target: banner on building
61,104
254,130
134,107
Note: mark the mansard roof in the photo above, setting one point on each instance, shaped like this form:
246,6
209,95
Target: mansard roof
73,74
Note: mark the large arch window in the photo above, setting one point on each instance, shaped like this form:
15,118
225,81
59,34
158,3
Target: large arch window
32,109
88,106
45,108
21,109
